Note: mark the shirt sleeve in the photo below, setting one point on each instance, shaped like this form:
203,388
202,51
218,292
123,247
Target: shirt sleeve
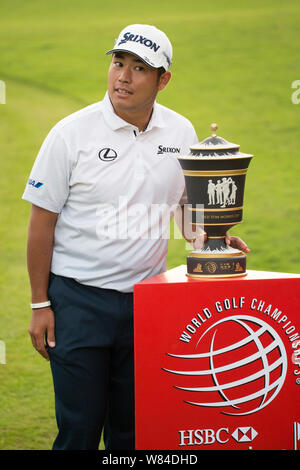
48,184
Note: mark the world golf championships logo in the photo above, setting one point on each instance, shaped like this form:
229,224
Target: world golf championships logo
238,378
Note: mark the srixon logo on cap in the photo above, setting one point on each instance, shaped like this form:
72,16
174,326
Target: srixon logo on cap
139,39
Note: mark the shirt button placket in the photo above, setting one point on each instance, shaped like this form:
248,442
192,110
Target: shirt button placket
139,170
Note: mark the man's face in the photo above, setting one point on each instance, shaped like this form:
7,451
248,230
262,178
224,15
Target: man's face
132,85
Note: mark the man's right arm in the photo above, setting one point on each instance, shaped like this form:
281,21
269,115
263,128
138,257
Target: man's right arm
39,255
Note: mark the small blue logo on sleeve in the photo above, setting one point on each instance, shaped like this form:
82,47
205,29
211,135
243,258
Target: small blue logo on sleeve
35,184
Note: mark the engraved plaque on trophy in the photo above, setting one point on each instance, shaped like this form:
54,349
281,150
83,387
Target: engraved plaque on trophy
215,173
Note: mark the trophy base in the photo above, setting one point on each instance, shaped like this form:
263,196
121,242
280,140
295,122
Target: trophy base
216,265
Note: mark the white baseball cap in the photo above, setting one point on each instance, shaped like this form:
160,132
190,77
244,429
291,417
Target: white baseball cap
147,42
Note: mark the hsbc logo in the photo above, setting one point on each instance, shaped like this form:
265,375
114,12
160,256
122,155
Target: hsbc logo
107,155
244,434
197,437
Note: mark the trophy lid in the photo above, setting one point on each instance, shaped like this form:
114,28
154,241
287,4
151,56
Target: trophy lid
214,142
216,146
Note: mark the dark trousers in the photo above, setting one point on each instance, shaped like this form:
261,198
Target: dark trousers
92,366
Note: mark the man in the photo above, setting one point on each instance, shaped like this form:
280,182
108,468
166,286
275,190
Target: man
95,168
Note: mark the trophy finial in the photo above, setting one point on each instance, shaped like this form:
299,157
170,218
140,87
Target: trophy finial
214,127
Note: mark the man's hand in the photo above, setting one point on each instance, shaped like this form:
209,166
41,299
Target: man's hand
236,242
42,323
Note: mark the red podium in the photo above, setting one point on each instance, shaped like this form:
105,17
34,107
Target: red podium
217,362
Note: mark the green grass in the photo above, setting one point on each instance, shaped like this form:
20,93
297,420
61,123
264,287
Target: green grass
234,63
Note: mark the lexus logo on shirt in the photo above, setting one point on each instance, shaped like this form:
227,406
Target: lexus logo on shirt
107,154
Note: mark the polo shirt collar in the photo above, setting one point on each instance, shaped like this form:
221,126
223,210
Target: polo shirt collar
115,122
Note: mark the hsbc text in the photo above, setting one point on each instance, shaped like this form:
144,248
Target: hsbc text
197,437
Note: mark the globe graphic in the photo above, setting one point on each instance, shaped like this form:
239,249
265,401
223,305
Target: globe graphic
239,366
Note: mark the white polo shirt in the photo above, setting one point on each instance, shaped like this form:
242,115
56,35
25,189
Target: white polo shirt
114,189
